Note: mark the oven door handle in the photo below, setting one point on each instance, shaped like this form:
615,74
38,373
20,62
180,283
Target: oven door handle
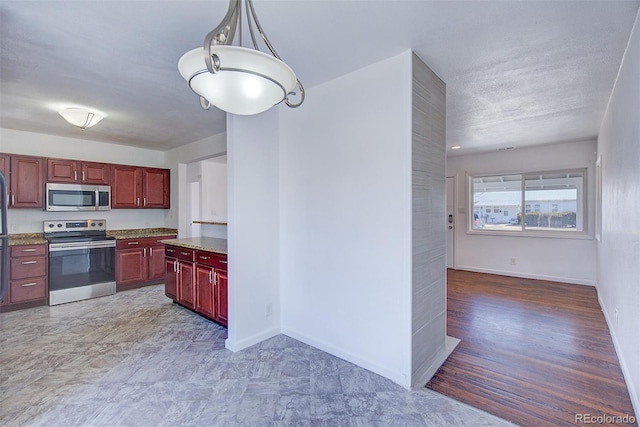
57,247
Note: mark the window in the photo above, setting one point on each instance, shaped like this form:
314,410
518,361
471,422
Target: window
557,198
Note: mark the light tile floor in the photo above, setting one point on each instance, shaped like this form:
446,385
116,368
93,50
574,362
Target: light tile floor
136,359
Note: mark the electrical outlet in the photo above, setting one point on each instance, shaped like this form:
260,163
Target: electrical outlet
14,228
615,316
269,309
513,261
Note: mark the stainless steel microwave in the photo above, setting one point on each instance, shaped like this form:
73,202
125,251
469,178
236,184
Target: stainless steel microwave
77,197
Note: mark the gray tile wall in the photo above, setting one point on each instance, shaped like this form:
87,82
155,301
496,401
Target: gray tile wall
428,216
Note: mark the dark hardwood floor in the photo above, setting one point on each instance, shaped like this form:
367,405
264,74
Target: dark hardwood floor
532,352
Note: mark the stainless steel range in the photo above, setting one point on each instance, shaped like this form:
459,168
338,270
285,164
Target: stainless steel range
81,260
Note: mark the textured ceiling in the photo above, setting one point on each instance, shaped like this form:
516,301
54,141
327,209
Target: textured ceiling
517,72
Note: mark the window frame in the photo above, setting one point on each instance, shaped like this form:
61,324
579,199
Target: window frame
582,204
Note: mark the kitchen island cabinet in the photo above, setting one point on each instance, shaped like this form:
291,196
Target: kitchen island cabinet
196,276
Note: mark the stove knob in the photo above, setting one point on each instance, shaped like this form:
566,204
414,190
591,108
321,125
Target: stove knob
100,224
93,224
59,225
50,225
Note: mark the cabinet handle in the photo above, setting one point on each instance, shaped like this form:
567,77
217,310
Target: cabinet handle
83,175
175,268
29,262
170,250
75,175
144,201
133,243
144,252
204,257
138,202
184,253
210,276
28,250
13,200
223,262
28,284
150,251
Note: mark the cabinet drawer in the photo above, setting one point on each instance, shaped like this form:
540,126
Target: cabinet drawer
23,268
28,251
179,252
27,290
212,259
139,243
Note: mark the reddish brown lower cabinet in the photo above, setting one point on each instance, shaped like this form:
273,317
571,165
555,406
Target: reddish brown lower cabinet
204,291
200,286
171,278
27,277
139,262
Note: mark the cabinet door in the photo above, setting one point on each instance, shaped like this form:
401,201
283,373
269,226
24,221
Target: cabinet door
62,170
4,167
204,291
131,266
186,285
126,186
171,278
27,182
155,193
95,173
155,259
221,297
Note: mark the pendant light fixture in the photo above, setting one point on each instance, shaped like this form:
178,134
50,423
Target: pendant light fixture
237,79
81,117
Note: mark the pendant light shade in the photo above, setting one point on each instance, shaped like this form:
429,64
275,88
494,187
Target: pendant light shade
81,117
247,82
237,79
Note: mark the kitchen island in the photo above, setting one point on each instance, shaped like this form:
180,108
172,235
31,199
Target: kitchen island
196,275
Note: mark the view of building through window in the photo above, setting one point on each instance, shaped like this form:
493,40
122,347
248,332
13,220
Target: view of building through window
546,201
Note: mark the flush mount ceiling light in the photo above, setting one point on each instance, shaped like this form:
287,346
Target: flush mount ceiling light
237,79
81,117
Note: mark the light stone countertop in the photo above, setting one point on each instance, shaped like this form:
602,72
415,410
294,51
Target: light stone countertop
209,244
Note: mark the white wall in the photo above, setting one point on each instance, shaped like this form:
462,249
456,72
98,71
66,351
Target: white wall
35,144
618,252
177,160
213,206
345,200
558,259
254,228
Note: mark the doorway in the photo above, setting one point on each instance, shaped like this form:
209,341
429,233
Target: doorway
450,220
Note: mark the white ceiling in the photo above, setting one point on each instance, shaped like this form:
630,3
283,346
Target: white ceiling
517,72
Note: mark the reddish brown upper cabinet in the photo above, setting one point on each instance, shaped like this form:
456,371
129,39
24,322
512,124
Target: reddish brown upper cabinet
134,187
27,182
63,170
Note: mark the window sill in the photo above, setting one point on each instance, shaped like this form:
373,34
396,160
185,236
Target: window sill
535,234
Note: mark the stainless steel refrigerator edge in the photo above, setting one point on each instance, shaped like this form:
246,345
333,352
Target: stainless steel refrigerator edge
4,238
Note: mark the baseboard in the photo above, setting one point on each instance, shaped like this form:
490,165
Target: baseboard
234,346
397,377
635,399
560,279
450,344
